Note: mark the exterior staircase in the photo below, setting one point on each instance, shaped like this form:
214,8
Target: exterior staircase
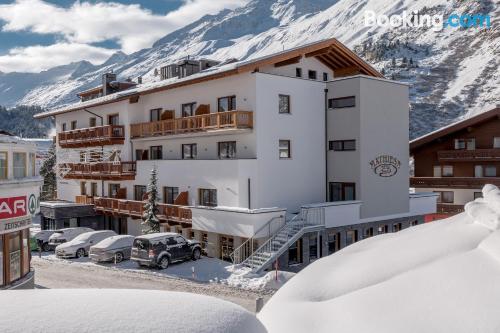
282,234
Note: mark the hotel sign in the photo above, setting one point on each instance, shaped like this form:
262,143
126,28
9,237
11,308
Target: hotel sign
385,165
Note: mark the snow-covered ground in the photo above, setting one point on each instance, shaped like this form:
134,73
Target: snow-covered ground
437,277
208,270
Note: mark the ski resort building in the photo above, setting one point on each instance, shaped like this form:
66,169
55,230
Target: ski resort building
19,202
287,157
456,161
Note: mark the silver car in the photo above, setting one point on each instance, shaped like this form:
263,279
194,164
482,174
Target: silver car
79,246
114,249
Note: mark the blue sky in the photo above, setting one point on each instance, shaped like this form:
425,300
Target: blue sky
39,34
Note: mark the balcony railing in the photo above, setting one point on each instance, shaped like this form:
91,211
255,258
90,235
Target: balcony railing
470,155
454,182
201,123
449,209
99,171
84,200
135,209
92,137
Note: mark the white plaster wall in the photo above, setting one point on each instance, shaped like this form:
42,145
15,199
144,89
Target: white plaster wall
342,213
305,63
422,204
460,196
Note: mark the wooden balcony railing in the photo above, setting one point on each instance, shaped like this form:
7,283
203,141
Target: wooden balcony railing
449,209
99,171
132,208
92,137
84,200
200,123
454,182
470,155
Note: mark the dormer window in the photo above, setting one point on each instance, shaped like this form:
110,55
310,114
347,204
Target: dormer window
468,144
313,75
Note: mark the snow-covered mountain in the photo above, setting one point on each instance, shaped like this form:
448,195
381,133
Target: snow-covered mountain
451,72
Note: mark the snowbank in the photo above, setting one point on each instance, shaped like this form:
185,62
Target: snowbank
437,277
109,310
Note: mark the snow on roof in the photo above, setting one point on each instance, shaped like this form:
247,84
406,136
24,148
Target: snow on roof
113,310
436,277
158,235
12,139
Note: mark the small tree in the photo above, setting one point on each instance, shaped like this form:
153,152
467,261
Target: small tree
49,175
150,220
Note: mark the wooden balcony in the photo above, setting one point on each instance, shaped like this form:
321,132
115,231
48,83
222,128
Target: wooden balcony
135,209
476,155
453,182
449,209
84,200
100,171
92,137
195,124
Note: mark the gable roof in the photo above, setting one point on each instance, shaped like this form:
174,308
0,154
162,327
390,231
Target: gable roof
455,127
330,52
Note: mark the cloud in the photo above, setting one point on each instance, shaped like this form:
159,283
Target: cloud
38,58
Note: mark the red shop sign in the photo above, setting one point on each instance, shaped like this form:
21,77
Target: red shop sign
13,207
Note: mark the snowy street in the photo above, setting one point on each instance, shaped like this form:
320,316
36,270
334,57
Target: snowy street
55,273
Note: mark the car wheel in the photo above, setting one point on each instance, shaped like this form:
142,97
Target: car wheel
164,262
80,253
118,257
45,247
196,254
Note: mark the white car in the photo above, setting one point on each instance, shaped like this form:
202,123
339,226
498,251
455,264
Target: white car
65,235
116,248
42,238
79,246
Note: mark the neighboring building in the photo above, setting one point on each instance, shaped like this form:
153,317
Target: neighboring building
241,146
19,201
456,161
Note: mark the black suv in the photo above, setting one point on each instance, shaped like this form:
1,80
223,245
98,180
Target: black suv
161,249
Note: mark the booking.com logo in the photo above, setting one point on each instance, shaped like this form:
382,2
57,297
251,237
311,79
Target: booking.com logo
436,22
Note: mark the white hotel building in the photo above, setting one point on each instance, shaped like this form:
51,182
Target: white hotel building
243,146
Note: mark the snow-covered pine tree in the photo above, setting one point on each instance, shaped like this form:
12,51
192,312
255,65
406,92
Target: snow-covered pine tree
151,222
47,171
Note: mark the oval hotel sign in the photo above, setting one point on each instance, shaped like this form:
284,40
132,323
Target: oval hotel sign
385,165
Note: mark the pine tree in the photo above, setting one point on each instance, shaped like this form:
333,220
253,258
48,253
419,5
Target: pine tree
49,175
393,62
150,220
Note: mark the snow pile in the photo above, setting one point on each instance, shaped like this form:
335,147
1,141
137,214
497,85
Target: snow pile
244,278
437,277
109,310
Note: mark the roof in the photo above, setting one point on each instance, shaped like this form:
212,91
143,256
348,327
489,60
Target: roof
455,127
330,52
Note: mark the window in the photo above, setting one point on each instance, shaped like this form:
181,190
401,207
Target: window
226,103
187,110
351,237
141,155
93,189
155,115
368,232
342,102
14,255
342,145
139,192
397,227
169,194
113,190
156,152
19,165
437,171
445,196
414,223
227,150
383,229
298,72
490,171
447,171
312,75
73,125
82,156
478,195
496,142
83,188
113,119
468,144
284,103
333,242
208,197
295,253
63,127
92,122
3,165
189,151
325,76
342,191
313,247
284,149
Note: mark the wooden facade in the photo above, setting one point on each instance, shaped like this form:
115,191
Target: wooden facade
92,137
100,171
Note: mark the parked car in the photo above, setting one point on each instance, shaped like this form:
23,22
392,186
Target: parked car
42,237
115,248
65,235
161,249
80,245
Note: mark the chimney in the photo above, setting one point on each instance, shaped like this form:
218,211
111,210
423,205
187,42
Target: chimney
107,78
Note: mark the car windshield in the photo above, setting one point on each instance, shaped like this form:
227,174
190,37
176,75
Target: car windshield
83,237
141,244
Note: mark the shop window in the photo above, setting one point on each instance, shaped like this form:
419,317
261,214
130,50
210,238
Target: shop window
414,223
313,247
351,237
333,242
204,241
295,253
